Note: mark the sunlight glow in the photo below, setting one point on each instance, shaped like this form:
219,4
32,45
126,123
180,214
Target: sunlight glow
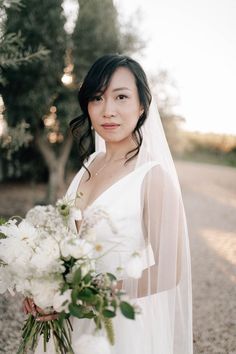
195,42
67,79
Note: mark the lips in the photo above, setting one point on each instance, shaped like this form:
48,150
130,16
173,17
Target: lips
110,125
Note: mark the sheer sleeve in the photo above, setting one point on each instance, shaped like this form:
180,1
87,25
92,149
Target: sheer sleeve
162,222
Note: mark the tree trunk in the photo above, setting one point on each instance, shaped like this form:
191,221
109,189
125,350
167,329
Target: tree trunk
56,165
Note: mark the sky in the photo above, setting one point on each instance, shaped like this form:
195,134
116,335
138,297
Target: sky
195,40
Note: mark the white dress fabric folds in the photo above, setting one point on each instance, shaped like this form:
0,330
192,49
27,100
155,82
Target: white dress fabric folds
146,214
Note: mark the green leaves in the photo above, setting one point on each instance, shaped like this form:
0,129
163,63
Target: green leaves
87,279
77,276
80,311
2,221
108,313
127,310
111,276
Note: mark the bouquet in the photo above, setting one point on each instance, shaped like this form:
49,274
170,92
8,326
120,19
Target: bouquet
42,257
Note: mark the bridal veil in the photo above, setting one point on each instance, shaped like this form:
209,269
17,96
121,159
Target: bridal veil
165,284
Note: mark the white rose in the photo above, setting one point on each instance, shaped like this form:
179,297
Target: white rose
76,248
9,229
27,233
89,344
81,248
61,301
43,292
134,267
17,254
47,256
65,247
23,286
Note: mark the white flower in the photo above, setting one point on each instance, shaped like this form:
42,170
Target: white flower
61,301
43,291
75,213
47,256
90,235
23,232
46,218
89,344
23,286
76,248
85,266
17,249
134,267
9,229
5,279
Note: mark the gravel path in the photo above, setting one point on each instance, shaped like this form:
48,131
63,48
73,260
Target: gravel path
209,193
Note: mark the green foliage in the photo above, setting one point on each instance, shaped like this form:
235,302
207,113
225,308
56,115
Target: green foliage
209,148
29,91
2,221
99,32
33,89
12,50
109,330
94,296
15,138
127,310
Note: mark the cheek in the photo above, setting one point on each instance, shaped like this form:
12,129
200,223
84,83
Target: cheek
132,115
92,113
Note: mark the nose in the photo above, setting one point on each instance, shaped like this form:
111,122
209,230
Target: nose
109,109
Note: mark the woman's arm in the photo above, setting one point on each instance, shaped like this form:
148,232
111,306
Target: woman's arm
162,228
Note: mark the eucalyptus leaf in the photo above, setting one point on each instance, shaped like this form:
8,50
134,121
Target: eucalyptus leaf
87,278
111,276
108,313
74,295
76,310
77,276
127,310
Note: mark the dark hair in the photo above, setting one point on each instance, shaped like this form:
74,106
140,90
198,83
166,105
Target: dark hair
97,80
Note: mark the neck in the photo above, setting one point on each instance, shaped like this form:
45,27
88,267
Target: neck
115,151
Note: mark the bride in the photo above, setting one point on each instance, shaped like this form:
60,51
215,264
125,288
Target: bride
131,176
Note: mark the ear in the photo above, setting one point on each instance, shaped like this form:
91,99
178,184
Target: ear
141,111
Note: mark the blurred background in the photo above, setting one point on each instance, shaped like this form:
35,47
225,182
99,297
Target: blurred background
188,50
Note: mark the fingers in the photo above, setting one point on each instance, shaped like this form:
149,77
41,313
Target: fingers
39,310
30,307
50,317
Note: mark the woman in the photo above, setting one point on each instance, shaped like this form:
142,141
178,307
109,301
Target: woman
131,176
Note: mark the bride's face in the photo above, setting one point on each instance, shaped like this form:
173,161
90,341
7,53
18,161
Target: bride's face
114,114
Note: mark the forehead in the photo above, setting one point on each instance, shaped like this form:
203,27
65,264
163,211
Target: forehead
122,77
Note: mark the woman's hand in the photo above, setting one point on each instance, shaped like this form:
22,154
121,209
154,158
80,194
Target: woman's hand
30,307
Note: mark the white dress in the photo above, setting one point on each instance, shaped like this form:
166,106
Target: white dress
122,202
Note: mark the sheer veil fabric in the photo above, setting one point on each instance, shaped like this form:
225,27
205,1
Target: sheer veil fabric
164,290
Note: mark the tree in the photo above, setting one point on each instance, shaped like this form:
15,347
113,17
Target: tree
167,98
99,32
11,54
31,91
36,93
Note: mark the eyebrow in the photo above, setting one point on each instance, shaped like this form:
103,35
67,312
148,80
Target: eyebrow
121,88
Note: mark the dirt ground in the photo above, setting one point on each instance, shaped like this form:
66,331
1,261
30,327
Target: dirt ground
209,193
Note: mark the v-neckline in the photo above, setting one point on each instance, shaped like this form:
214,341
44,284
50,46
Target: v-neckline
107,189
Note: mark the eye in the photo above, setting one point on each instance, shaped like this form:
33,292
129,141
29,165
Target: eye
96,98
122,97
